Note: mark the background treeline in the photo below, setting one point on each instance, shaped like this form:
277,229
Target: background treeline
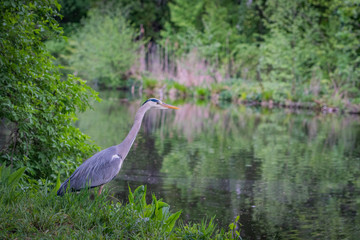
249,50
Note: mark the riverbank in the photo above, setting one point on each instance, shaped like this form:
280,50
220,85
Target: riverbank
32,210
265,94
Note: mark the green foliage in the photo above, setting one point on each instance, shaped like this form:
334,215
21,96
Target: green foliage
186,15
104,48
312,46
157,211
14,178
60,50
38,213
204,230
213,28
202,93
74,10
9,183
225,95
37,107
180,87
146,15
149,83
234,227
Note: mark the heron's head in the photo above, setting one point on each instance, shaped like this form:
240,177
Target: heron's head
156,103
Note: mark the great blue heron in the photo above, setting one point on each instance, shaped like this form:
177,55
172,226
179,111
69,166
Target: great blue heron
106,164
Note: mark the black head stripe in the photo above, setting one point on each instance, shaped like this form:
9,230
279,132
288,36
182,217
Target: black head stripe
151,99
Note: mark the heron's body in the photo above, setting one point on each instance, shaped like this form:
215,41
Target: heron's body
106,164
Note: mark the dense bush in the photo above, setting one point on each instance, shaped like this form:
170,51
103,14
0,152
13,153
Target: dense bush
37,107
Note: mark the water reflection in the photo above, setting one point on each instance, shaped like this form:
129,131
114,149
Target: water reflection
288,175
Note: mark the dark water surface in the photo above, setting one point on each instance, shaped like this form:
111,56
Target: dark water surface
288,175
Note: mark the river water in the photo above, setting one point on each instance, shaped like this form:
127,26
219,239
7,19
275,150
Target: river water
288,175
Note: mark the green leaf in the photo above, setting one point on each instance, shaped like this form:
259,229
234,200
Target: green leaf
131,196
170,222
231,226
15,176
57,186
154,207
1,171
58,6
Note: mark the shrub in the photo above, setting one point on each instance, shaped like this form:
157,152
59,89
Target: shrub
180,87
202,92
149,83
37,106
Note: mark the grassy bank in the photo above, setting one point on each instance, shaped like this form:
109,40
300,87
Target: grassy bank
267,94
31,209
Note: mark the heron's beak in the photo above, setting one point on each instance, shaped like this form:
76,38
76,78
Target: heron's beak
168,106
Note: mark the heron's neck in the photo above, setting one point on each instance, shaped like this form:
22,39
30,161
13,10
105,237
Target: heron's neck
125,146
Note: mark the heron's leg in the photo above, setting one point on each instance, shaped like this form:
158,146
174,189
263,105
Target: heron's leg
100,189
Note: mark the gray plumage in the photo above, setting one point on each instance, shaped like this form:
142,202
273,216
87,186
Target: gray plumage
106,164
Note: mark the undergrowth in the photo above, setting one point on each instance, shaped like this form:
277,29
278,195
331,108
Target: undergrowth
33,210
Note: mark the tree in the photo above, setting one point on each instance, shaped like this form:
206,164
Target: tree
314,45
38,108
147,14
216,30
104,49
